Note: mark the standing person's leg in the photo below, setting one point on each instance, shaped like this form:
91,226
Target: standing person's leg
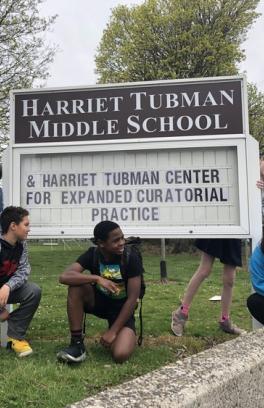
78,296
180,316
202,272
229,273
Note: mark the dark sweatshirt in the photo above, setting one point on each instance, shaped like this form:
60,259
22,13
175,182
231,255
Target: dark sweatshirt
14,265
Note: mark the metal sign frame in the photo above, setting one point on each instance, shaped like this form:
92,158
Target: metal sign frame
247,156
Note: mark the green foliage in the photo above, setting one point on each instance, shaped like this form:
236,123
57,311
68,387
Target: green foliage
168,39
39,381
24,56
256,114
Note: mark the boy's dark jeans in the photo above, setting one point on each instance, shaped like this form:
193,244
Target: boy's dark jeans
28,296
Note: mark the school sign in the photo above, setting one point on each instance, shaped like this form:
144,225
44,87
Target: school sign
163,159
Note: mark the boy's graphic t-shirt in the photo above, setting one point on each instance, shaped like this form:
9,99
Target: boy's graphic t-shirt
112,271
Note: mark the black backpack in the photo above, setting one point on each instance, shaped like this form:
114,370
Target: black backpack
132,244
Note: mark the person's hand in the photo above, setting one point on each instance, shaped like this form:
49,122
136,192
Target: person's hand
108,284
4,295
108,338
260,184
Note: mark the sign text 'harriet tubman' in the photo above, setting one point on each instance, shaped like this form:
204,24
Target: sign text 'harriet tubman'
156,110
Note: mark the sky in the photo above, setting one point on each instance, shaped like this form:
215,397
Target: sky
79,28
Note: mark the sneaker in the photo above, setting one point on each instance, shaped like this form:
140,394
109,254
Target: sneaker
74,353
4,315
21,347
178,320
230,328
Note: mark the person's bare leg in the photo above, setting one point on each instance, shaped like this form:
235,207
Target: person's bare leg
124,345
225,323
229,274
77,297
180,316
203,271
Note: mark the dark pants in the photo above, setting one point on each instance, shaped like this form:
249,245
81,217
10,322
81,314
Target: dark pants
109,309
255,304
28,296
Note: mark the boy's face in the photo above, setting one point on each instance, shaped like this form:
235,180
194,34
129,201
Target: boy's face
115,242
22,229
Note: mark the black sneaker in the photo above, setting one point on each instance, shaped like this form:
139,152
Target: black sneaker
74,353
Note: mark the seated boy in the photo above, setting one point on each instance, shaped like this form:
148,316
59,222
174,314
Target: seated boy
106,293
255,301
14,272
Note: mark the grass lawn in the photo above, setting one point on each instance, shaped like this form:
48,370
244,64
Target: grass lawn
39,381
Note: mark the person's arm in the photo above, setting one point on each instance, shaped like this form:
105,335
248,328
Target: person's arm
4,295
133,291
73,276
260,183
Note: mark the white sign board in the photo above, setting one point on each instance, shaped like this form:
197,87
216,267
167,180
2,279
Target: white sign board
151,178
197,186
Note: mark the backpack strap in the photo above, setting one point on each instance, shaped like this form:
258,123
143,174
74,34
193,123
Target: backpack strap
84,325
140,337
124,262
95,258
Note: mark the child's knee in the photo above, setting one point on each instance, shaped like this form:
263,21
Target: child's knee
35,292
77,294
228,282
120,356
38,293
74,291
204,273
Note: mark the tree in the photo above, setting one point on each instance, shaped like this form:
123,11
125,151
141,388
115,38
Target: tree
24,56
169,39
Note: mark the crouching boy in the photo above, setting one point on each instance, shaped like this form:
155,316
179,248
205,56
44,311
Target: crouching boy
14,273
106,293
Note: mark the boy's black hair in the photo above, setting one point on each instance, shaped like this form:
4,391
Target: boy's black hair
12,214
101,230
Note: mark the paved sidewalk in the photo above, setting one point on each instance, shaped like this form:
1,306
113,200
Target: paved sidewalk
227,376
